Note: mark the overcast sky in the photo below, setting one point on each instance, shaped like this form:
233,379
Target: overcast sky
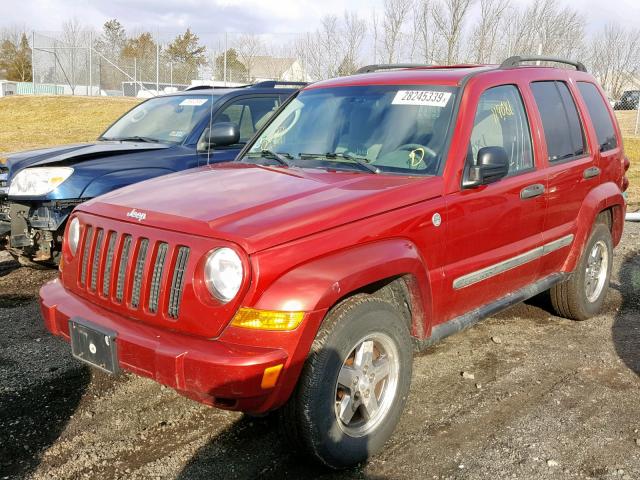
258,16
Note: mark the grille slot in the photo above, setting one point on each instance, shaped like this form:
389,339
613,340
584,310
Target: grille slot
137,274
177,283
85,255
108,264
122,267
158,269
96,258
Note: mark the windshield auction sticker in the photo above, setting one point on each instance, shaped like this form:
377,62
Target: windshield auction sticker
428,98
193,102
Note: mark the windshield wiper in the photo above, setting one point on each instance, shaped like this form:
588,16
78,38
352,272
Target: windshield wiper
282,158
363,162
131,139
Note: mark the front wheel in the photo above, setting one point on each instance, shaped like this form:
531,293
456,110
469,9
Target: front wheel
583,294
354,385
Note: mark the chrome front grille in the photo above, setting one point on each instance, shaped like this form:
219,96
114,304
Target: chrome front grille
137,266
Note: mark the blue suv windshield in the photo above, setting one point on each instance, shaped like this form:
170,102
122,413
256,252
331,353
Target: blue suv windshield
392,129
162,119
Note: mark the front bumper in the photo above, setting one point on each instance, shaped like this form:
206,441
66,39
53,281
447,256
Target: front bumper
216,372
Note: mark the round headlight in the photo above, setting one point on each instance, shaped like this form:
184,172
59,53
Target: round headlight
223,273
73,235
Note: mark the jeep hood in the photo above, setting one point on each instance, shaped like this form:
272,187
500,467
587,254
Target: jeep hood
258,207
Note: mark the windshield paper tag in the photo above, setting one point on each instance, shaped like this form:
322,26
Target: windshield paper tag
428,98
193,102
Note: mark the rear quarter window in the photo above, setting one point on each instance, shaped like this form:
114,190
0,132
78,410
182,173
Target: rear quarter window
600,117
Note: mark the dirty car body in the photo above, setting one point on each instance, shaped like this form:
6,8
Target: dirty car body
374,215
160,136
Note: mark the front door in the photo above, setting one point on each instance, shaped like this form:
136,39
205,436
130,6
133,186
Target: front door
250,113
494,232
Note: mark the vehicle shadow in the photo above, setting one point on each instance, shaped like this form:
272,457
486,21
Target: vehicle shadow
32,419
258,447
626,326
39,388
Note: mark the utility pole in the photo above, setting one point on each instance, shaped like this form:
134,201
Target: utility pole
225,60
89,90
33,61
158,65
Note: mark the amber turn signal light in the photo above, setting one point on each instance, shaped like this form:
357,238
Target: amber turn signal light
270,376
267,319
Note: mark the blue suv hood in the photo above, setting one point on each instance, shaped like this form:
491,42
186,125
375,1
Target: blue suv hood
102,166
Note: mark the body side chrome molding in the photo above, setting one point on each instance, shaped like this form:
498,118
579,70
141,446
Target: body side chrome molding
511,263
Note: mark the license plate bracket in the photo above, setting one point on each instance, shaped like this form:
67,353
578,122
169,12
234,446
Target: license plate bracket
94,345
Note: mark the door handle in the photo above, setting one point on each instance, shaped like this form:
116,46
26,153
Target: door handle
532,191
591,172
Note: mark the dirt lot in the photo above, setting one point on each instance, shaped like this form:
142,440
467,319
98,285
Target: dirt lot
551,398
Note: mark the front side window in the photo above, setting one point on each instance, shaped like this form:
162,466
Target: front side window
501,121
162,119
599,113
560,120
394,129
250,114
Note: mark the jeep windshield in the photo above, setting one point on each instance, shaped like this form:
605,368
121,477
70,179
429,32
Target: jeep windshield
387,129
162,119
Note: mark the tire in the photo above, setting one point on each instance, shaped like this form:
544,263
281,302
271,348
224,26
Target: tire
311,417
570,299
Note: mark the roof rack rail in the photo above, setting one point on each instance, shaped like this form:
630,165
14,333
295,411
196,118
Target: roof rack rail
390,66
517,60
209,87
274,83
396,66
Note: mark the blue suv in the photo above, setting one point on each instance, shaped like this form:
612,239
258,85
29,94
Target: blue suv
40,188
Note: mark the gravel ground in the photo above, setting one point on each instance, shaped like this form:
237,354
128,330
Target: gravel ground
549,398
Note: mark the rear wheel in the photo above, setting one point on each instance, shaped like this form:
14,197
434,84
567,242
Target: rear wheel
582,295
354,384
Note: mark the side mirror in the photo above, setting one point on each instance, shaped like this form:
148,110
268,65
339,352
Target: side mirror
219,135
491,165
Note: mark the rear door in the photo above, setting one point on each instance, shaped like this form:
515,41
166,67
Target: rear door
572,169
494,231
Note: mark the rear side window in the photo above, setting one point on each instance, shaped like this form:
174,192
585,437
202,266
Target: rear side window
560,120
599,113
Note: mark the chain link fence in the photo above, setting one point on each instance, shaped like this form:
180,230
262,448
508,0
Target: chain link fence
627,109
79,63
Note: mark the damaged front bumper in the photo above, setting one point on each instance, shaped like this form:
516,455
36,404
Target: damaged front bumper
35,228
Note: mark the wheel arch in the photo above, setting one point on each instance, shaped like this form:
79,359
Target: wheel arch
390,269
604,203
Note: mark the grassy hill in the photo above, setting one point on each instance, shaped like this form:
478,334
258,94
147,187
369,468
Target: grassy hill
31,122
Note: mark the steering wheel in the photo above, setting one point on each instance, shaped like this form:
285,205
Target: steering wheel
417,154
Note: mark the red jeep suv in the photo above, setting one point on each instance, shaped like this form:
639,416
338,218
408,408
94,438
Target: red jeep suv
372,216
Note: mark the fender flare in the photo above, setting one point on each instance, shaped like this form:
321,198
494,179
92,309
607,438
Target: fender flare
601,198
121,178
317,285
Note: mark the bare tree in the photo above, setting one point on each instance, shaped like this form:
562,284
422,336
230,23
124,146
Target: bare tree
488,30
74,37
615,57
544,27
428,43
353,30
395,15
334,48
449,22
249,47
